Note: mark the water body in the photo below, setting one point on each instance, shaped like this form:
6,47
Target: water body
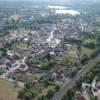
64,10
57,7
71,12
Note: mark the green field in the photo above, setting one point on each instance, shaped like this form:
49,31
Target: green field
3,34
86,51
19,45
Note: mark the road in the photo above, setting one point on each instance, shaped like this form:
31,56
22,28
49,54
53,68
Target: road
59,95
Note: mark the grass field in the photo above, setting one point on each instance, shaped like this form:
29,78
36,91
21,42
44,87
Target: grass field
7,90
86,51
90,40
3,34
19,45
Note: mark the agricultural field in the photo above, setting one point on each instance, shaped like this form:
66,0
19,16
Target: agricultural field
7,90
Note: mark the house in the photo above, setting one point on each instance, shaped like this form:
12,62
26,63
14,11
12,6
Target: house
2,71
21,78
3,61
68,72
79,96
15,56
48,77
97,92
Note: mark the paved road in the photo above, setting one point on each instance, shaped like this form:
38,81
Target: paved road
59,95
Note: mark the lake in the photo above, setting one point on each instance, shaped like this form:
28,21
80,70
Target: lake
64,10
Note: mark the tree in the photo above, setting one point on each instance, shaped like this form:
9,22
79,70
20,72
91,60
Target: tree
27,92
42,98
98,40
4,52
57,88
70,95
50,93
84,59
46,83
48,56
21,95
79,83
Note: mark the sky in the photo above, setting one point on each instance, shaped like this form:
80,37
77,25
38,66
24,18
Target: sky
35,0
51,0
57,0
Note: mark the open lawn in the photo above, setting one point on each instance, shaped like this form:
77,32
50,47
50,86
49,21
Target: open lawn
89,40
86,51
7,90
19,45
3,34
41,64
